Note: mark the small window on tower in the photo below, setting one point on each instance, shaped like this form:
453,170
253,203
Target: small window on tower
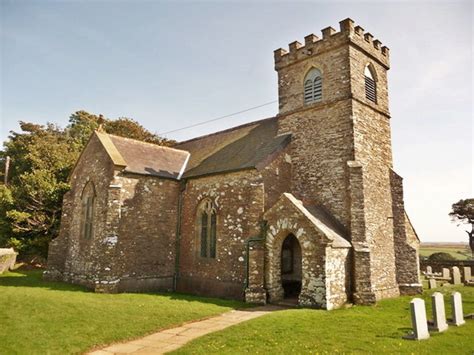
313,86
370,84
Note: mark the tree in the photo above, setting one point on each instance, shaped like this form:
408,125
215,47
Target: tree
441,256
463,212
41,160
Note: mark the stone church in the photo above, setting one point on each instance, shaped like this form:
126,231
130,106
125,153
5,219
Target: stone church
303,207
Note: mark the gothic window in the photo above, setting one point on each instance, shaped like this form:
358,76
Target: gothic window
370,84
313,86
207,220
88,199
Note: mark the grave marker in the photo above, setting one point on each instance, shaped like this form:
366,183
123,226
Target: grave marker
439,314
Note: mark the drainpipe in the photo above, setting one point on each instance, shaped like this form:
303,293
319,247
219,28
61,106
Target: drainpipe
182,188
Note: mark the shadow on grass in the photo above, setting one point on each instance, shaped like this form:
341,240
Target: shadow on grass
34,278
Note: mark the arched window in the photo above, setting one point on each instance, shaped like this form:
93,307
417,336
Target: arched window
207,220
313,86
88,200
370,84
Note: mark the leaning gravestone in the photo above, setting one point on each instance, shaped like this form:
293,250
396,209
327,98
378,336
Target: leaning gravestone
418,320
439,314
431,283
446,274
456,304
7,259
456,277
467,274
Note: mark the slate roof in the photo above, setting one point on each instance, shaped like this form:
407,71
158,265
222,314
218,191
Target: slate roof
144,158
243,147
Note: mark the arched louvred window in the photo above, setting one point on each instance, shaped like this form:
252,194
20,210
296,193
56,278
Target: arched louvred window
370,84
88,201
207,229
313,86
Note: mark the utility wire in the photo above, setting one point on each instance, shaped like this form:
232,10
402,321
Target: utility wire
218,118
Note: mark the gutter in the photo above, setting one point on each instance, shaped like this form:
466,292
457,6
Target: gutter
182,188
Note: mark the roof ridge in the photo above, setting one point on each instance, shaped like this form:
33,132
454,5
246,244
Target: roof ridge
142,142
225,130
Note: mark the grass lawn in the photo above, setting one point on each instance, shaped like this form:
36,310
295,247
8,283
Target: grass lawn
459,253
38,317
359,329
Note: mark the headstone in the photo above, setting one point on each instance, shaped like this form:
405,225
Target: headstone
439,314
418,320
456,277
431,283
446,274
456,304
429,270
467,274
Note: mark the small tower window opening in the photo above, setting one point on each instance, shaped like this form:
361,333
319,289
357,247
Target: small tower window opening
370,84
313,86
88,200
207,229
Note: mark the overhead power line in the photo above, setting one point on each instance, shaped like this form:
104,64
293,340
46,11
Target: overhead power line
218,118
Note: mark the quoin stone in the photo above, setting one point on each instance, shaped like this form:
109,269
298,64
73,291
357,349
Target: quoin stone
304,206
456,305
439,314
456,276
432,283
418,320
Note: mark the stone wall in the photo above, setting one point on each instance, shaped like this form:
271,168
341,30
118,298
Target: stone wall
239,201
406,242
147,233
73,258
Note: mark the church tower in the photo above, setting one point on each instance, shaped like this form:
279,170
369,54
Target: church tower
333,99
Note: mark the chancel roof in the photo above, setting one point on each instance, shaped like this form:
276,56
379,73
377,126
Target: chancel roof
144,158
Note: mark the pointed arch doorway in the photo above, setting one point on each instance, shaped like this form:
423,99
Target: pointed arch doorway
291,268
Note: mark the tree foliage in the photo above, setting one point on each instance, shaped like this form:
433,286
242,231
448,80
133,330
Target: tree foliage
463,212
441,256
42,157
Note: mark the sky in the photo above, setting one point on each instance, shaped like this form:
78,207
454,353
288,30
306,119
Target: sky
171,64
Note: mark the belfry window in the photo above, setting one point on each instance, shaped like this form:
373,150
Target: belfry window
88,200
370,84
207,220
313,86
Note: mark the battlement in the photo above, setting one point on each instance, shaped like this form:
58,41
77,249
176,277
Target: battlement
348,34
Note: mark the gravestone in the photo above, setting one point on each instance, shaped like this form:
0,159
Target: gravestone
446,274
456,276
431,283
439,314
467,274
418,320
456,304
429,270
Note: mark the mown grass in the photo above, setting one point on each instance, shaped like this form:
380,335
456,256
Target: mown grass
459,253
38,317
360,329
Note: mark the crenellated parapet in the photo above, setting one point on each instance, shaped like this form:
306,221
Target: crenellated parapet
348,34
